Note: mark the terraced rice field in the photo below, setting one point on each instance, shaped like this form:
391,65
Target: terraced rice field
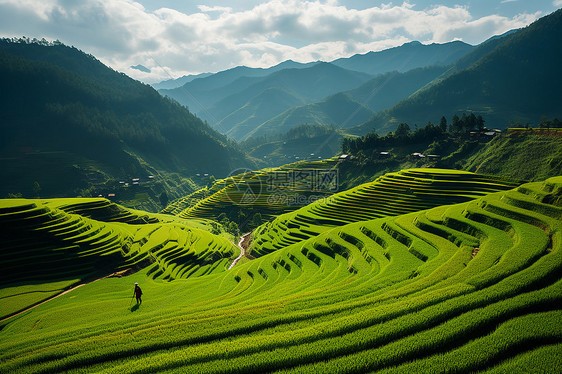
389,195
59,243
269,191
474,286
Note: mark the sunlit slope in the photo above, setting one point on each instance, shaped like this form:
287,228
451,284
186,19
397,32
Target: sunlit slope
45,248
42,243
469,287
268,191
389,195
104,210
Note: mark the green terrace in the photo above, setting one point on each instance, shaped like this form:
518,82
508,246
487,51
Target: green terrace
468,287
56,244
389,195
269,191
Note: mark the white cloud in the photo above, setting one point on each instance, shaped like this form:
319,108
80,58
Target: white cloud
122,33
557,3
221,9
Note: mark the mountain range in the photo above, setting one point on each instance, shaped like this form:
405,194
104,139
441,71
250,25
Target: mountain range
354,107
238,101
69,122
406,57
507,79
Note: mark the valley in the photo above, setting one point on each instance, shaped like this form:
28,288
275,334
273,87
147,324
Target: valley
397,211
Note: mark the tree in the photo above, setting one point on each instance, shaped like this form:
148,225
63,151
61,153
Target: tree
36,188
256,220
164,199
233,228
443,124
456,124
402,131
463,123
223,219
480,123
471,122
241,217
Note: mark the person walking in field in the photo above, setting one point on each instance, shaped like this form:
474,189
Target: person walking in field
138,293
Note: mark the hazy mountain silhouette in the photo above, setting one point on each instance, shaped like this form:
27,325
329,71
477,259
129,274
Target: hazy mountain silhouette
353,107
506,80
230,100
406,57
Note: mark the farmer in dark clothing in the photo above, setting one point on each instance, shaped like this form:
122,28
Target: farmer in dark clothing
138,293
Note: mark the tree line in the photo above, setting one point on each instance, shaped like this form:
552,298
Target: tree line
403,135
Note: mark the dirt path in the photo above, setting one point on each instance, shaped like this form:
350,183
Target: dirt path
72,288
243,245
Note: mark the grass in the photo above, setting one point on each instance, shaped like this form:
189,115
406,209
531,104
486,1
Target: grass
392,194
402,293
16,298
49,245
269,191
531,155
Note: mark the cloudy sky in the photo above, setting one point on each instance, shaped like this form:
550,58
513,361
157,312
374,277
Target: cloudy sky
178,37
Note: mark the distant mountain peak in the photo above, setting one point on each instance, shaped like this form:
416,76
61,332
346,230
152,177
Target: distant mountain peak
408,56
142,68
507,79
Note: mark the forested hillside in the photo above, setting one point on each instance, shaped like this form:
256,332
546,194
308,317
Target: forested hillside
254,100
68,122
243,102
463,143
353,107
511,83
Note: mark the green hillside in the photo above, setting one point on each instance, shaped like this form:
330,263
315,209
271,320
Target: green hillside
385,90
525,154
511,83
58,243
389,195
267,192
521,154
353,107
303,142
258,110
70,123
468,287
338,110
297,86
227,106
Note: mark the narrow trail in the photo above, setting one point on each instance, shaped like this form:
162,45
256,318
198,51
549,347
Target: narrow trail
243,245
72,288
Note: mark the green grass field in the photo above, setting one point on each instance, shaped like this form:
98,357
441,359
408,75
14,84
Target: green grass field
269,191
469,287
51,245
389,195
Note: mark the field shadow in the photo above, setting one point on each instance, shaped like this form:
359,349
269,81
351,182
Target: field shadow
135,307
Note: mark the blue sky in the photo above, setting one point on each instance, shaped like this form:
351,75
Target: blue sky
177,37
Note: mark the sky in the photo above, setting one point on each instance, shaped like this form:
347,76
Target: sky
172,38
